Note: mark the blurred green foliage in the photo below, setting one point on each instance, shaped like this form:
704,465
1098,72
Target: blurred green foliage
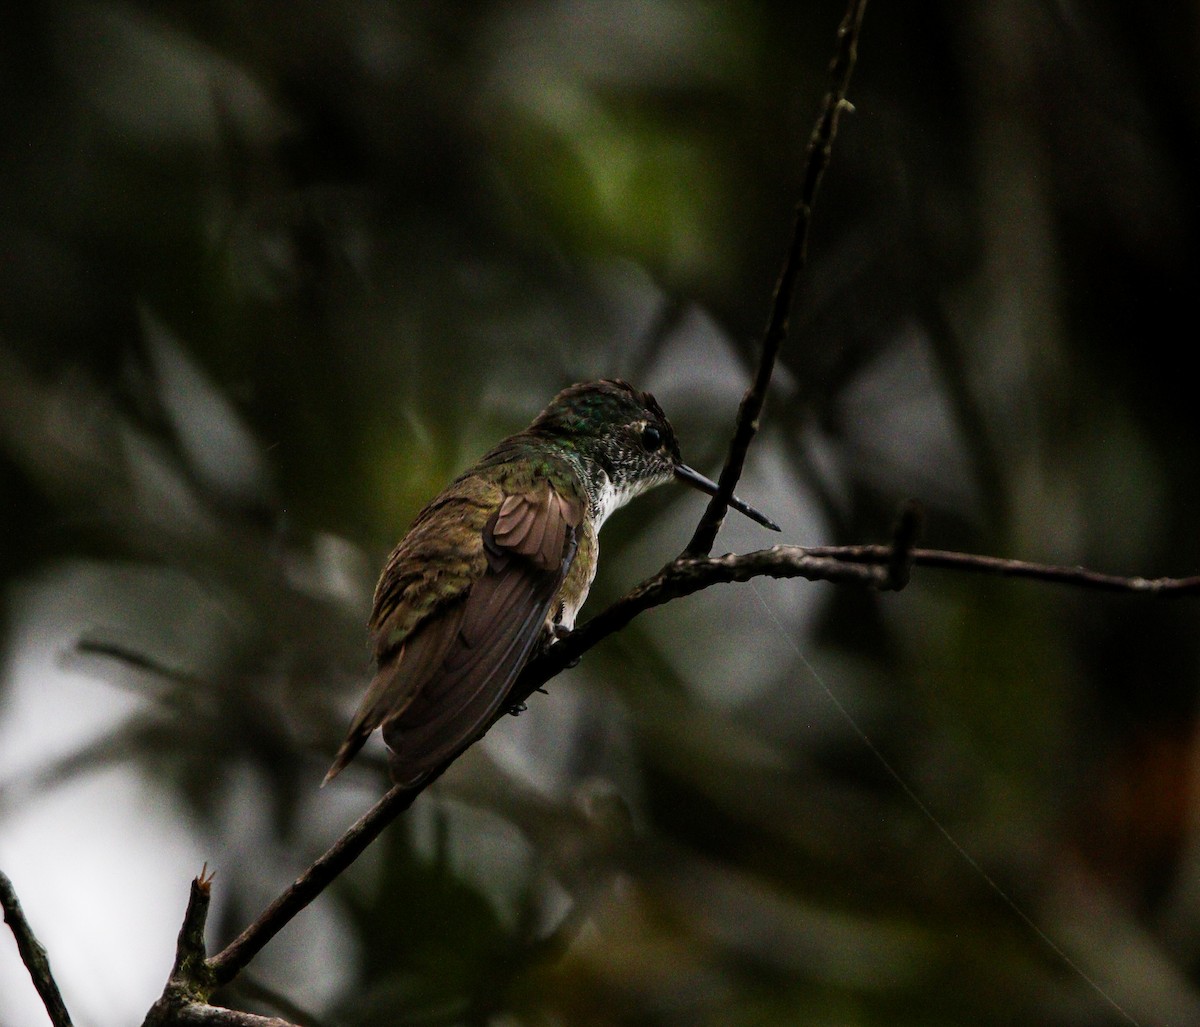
271,274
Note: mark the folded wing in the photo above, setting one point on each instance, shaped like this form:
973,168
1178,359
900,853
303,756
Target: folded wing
450,676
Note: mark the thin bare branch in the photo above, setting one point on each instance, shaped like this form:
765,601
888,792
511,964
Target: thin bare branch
197,1014
33,955
1049,573
677,579
884,567
820,147
227,963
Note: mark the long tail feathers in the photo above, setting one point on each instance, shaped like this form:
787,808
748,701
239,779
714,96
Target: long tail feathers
345,754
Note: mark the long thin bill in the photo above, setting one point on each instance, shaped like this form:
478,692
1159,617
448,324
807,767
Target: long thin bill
698,481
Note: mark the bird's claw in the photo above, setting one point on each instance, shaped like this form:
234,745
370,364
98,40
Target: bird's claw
558,632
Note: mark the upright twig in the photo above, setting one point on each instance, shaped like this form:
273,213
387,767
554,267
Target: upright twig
33,954
189,981
184,1001
820,146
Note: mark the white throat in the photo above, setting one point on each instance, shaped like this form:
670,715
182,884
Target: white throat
610,496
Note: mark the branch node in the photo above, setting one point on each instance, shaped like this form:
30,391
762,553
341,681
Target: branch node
909,522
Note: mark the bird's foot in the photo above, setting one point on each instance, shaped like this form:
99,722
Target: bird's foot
550,635
559,632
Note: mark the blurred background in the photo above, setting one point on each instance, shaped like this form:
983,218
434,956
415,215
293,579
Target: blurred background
271,274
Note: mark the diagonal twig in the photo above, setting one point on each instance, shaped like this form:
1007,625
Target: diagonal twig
33,954
677,579
197,1014
227,963
820,146
884,567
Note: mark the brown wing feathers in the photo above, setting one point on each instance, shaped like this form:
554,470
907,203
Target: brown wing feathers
398,680
535,526
476,674
502,617
454,670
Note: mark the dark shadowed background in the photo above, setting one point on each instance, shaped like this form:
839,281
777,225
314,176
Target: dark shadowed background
271,274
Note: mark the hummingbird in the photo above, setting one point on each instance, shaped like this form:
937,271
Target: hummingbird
500,562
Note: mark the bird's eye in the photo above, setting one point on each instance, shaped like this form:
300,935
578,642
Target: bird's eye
651,438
